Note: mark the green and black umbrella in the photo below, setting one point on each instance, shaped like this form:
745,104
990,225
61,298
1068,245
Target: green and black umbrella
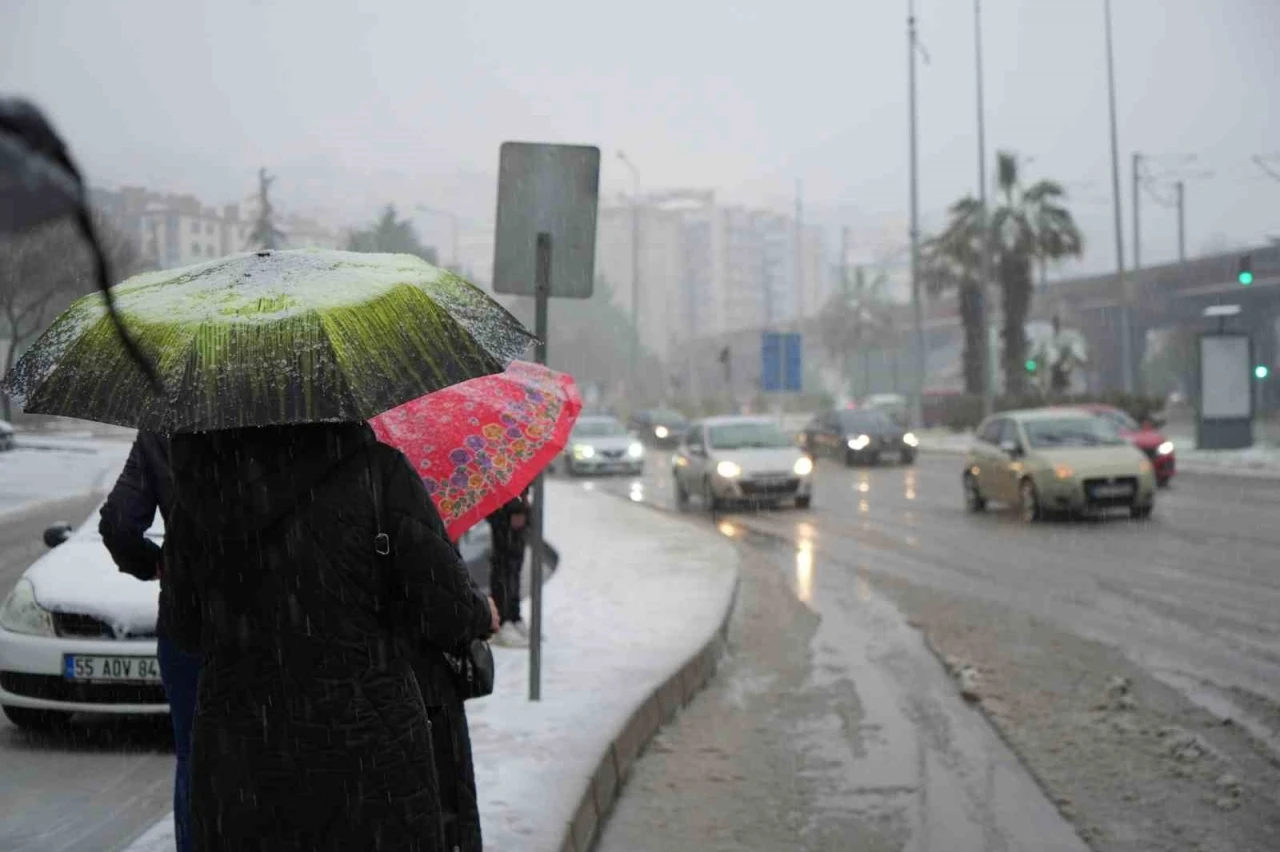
270,338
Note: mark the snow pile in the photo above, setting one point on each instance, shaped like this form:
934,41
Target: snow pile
638,593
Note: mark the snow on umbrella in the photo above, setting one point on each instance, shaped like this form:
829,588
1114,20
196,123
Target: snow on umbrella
478,444
269,338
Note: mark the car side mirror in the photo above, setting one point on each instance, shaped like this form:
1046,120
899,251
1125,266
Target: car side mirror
1013,448
57,534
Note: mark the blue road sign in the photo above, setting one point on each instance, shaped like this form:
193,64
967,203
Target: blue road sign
781,367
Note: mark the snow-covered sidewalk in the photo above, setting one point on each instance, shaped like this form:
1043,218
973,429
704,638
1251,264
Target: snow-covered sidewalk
41,470
632,621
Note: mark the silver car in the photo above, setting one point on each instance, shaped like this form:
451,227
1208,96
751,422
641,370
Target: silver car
601,444
741,459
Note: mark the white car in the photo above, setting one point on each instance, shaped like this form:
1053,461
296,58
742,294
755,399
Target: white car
78,636
741,459
601,444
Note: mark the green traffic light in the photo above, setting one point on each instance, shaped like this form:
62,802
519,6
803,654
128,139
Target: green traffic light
1245,278
1031,366
1261,371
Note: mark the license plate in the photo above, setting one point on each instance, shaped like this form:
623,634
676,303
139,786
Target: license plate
1113,491
101,668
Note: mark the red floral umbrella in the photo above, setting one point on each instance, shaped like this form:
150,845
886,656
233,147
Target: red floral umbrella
480,443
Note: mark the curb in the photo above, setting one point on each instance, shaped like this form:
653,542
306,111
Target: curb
592,812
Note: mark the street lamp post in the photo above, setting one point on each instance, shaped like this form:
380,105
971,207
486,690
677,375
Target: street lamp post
635,269
1126,331
917,311
984,275
453,233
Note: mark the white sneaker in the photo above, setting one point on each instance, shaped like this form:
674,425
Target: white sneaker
510,637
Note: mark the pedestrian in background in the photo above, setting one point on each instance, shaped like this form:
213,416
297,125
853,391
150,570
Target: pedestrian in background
311,568
143,488
509,526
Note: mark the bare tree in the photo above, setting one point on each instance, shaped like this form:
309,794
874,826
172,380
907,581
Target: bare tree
265,234
44,270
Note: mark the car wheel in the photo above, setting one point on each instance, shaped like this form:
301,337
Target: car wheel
908,457
1028,502
682,495
972,496
1141,513
40,721
1162,482
709,497
804,502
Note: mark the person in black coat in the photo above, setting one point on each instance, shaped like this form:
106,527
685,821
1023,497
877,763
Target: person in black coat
509,526
311,733
143,488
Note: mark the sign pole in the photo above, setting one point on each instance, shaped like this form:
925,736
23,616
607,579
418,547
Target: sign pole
542,293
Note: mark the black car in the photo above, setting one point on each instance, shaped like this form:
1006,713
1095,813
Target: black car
660,427
858,436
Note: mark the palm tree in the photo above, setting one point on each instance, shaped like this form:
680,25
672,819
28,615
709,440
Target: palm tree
952,260
1029,225
855,320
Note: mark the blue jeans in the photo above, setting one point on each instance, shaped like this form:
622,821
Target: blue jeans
180,672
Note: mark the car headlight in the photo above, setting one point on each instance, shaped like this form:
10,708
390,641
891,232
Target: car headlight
911,440
803,466
859,442
1063,471
728,470
661,432
1165,449
1144,466
22,614
584,451
636,450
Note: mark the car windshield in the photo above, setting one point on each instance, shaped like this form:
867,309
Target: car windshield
1071,432
668,418
864,420
1120,420
744,436
598,429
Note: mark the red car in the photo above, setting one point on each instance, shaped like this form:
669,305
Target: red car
1145,436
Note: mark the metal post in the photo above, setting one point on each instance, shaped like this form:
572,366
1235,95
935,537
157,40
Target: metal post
1137,214
984,276
635,273
1126,331
799,252
542,283
917,310
1182,224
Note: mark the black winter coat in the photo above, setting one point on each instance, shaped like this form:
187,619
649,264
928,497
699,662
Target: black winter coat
310,733
143,488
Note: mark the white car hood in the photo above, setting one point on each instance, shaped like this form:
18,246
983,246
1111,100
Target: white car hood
79,576
605,443
777,460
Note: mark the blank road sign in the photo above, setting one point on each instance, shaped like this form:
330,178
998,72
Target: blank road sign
780,362
551,189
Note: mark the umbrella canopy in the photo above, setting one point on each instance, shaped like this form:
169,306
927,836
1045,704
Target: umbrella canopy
480,443
269,338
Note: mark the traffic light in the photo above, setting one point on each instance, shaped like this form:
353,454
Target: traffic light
1261,371
1244,270
1031,365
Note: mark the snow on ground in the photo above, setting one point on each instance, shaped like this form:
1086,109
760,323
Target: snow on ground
41,469
638,593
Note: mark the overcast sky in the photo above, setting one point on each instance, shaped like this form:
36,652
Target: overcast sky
355,104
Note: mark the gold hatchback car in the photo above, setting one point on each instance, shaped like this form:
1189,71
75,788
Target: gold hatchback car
1056,461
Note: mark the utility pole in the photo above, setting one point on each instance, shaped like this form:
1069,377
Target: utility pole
799,251
984,276
1137,214
1182,223
635,274
1126,329
917,310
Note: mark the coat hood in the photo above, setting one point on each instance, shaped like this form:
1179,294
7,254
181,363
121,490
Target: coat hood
244,480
